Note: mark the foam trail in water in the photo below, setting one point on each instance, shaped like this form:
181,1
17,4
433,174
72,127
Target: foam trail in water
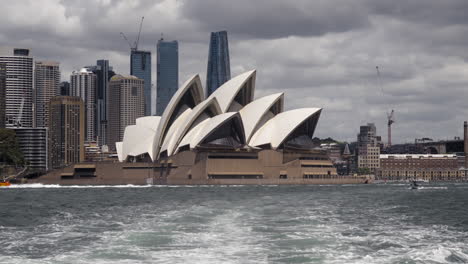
40,185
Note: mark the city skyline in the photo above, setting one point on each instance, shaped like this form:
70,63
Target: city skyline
330,59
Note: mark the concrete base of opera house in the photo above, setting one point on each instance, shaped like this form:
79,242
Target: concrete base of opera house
214,167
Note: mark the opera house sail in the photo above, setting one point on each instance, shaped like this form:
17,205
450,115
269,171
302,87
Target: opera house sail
227,137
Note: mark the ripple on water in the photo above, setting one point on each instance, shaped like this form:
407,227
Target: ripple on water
240,224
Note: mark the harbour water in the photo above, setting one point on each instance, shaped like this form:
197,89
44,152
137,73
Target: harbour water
234,224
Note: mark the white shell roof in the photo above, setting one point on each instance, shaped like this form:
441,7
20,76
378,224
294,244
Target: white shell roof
170,139
277,129
228,91
194,82
137,140
253,112
184,126
205,128
150,122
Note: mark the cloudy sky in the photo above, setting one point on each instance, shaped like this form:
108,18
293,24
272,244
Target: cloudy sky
321,53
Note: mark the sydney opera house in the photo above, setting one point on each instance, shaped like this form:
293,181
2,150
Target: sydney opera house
226,138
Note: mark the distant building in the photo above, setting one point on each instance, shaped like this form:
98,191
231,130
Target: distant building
333,151
83,84
368,147
219,69
2,94
126,104
33,145
103,73
167,73
65,88
140,67
19,86
67,130
47,85
431,167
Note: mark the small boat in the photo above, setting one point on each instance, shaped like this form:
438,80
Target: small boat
4,183
414,185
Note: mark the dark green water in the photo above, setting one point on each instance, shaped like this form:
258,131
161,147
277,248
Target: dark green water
237,224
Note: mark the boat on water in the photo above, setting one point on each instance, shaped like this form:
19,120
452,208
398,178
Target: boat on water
414,185
4,183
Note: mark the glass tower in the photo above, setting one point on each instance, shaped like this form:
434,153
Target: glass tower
167,73
103,73
140,66
219,69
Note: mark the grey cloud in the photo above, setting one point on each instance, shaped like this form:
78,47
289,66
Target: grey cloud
320,53
276,19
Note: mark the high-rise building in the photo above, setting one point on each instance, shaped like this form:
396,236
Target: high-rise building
368,147
19,86
33,144
2,94
83,83
65,88
219,69
47,85
66,130
167,73
140,67
103,73
126,104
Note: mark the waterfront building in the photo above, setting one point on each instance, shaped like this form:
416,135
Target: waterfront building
126,104
103,74
66,130
33,144
219,69
2,94
167,80
140,67
83,84
368,147
65,88
47,85
430,167
19,86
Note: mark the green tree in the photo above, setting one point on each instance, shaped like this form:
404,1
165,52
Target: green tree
364,171
10,152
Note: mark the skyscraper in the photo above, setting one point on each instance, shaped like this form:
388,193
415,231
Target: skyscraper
33,144
19,86
219,69
167,73
83,84
46,82
2,94
126,104
140,66
103,73
66,130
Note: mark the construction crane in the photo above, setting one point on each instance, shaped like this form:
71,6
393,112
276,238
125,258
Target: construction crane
390,116
137,40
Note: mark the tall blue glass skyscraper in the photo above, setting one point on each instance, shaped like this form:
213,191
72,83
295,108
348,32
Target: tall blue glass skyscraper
219,69
167,73
140,66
